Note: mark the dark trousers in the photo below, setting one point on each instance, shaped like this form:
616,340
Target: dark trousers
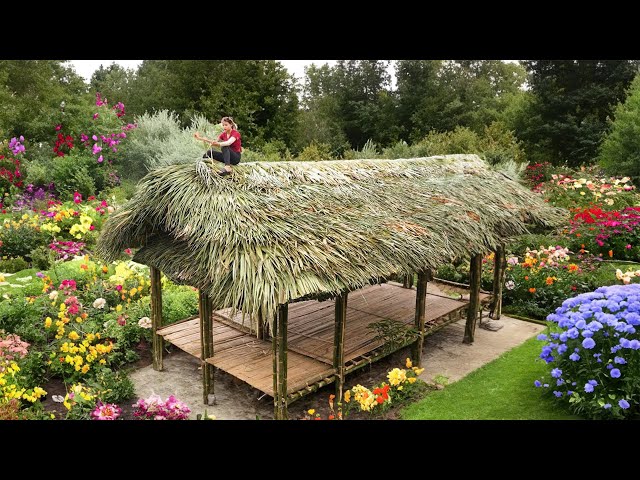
226,156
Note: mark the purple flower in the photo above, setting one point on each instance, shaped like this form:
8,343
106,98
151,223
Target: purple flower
619,360
575,357
537,383
542,337
557,393
588,343
100,159
615,373
623,404
40,275
606,406
588,387
556,373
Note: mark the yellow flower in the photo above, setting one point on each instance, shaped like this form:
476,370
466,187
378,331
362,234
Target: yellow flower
74,335
102,361
118,307
397,377
85,369
418,371
311,412
412,379
47,322
133,291
408,363
347,396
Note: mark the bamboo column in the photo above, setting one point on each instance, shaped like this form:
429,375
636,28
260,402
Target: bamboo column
407,281
156,318
499,271
421,301
338,346
260,330
475,273
276,371
206,343
283,314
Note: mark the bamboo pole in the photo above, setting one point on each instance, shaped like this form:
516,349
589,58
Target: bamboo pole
206,344
156,318
421,301
475,273
260,330
283,314
499,271
338,346
407,281
274,354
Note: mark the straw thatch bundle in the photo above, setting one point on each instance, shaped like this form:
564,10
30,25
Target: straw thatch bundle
275,232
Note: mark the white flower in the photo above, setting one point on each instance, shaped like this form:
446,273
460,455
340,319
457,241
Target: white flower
53,295
145,322
99,303
510,285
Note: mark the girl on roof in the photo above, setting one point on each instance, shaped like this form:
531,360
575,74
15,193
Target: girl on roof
230,144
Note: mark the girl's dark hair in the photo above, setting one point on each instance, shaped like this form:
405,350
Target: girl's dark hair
230,121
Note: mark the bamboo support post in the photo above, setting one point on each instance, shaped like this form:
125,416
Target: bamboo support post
421,301
407,281
499,271
338,346
274,354
156,318
206,338
283,314
475,273
260,330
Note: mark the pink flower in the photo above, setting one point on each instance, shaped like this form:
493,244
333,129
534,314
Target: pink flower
629,247
95,115
100,159
106,411
92,228
58,127
119,287
127,251
96,148
77,197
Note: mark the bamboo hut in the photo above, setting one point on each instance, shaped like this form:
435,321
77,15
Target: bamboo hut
277,233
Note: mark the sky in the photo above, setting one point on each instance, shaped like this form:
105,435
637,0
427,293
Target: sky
85,68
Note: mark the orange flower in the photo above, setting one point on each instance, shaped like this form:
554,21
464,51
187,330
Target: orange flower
84,266
611,253
104,269
578,234
549,281
332,417
526,277
532,290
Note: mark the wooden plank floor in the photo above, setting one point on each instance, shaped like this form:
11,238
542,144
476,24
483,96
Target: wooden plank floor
311,330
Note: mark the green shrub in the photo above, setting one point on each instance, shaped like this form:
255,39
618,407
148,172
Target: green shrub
369,150
398,150
71,174
42,257
178,303
116,386
314,152
13,265
19,239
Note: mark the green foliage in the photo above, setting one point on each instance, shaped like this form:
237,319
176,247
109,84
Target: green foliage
13,265
23,318
33,369
572,100
178,303
400,149
19,240
499,145
620,150
460,140
160,140
72,173
315,151
370,150
42,257
116,386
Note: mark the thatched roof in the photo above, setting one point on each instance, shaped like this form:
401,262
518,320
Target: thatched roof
275,232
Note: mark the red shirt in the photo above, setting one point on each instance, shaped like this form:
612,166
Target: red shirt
235,146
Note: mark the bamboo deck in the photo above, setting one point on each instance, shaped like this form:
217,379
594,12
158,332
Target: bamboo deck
238,352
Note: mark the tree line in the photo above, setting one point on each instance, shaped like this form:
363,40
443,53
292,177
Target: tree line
560,111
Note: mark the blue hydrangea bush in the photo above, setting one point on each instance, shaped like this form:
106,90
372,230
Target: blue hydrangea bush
593,350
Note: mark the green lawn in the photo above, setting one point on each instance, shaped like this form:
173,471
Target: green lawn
501,390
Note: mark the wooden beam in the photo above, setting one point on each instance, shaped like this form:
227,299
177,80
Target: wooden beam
475,273
283,316
421,302
338,347
499,271
206,344
156,318
407,281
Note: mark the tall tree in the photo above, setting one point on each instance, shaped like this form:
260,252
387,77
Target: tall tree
259,94
32,92
114,83
572,100
442,95
620,150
